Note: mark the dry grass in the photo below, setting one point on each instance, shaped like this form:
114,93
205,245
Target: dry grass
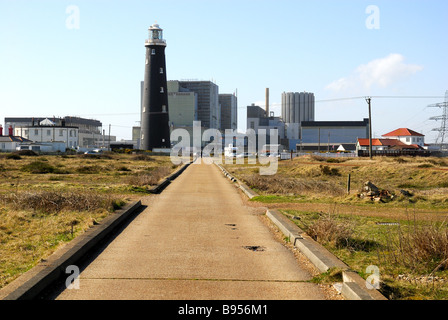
419,248
328,230
46,201
56,201
326,178
408,249
152,178
286,186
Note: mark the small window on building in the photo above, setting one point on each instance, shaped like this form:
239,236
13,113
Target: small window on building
36,132
164,108
408,139
61,133
153,52
252,125
161,70
71,133
48,132
161,90
143,136
147,61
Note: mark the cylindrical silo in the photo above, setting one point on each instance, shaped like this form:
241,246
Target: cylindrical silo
296,107
313,110
291,108
284,106
307,106
302,107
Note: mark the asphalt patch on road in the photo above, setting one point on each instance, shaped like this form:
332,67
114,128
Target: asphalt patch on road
254,248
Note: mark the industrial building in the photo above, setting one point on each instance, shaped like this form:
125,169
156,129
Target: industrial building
229,111
208,110
298,130
297,107
183,105
257,119
329,135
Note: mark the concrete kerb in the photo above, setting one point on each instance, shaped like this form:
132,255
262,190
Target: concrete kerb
162,185
353,287
32,283
248,191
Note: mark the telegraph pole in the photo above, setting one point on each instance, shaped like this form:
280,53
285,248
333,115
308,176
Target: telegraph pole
368,99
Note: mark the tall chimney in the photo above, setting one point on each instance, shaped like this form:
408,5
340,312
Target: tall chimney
10,131
1,130
267,102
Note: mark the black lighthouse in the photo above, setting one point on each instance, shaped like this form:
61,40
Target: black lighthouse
155,127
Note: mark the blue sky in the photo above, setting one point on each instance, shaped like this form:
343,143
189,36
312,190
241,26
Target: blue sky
94,70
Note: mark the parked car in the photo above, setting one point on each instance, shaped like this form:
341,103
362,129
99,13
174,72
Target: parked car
94,151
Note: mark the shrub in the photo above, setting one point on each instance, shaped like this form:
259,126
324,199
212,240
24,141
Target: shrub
327,171
149,179
422,248
327,230
13,156
88,169
39,167
142,157
30,153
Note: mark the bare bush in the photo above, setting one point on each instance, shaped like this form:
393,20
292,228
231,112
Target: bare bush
150,178
422,248
328,230
142,157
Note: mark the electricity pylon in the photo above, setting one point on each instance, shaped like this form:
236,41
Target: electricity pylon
442,137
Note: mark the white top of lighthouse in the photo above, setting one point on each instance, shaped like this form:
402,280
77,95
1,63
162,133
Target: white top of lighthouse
155,36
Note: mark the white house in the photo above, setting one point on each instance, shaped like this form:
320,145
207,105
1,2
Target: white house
11,143
48,131
407,136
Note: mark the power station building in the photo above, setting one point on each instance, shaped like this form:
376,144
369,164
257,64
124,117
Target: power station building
298,130
330,135
257,119
208,111
297,107
229,111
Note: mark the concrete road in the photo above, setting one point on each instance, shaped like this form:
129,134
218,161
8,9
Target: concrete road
196,240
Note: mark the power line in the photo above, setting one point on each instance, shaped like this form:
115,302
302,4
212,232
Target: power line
363,97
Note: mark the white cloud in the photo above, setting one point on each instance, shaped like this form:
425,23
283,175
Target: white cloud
382,72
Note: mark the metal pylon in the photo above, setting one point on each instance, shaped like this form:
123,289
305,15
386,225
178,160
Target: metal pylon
442,137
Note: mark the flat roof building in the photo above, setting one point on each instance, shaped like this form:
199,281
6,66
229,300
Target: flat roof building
208,111
329,135
229,111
